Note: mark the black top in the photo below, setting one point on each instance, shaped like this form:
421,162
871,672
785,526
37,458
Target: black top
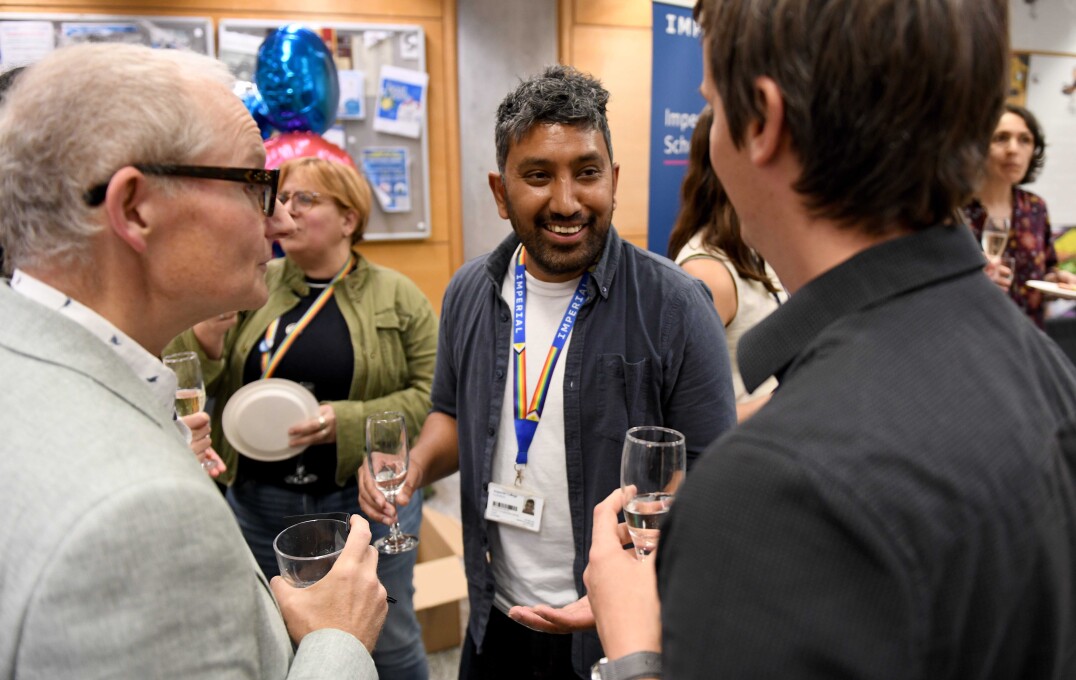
321,357
904,506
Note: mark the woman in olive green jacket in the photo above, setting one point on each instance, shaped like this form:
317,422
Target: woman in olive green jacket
363,338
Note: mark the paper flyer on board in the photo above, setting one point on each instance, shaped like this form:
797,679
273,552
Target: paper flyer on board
387,170
352,88
24,42
401,101
74,33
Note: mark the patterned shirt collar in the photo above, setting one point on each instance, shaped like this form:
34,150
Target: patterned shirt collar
161,381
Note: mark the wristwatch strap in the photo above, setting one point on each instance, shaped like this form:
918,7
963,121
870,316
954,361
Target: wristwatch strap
630,667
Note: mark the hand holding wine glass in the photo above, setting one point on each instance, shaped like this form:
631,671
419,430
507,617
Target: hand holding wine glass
995,238
190,391
1005,275
652,468
387,457
621,588
202,444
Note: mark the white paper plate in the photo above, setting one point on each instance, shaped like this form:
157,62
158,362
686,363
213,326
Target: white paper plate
1053,289
257,417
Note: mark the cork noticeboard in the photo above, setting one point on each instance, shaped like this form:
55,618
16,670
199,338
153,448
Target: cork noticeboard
394,160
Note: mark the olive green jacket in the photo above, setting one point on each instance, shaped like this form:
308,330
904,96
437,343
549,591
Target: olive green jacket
393,336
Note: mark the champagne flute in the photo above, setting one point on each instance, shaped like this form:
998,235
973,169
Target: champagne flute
995,238
190,389
387,455
652,468
301,476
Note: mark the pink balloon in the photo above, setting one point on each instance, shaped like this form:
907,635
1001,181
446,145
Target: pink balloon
289,145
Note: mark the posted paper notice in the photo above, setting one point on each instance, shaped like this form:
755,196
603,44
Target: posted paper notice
24,42
352,90
401,101
386,168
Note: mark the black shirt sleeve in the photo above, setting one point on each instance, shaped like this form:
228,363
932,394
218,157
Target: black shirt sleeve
761,575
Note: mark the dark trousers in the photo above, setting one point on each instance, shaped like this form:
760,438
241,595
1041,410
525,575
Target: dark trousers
511,650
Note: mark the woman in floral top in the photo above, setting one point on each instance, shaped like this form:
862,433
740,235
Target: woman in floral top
1017,153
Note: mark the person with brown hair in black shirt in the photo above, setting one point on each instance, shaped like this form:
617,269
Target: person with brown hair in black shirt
904,505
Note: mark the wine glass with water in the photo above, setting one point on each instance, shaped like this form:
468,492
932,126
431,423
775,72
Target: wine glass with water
652,468
190,388
387,455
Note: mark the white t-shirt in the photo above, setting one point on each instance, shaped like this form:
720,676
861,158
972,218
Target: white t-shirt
536,568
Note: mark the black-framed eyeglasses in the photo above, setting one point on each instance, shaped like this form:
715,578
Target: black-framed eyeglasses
263,181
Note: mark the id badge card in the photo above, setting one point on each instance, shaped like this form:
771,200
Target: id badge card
514,506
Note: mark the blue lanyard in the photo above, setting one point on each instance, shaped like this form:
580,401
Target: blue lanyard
527,417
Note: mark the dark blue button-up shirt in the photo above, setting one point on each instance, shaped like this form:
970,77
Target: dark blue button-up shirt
647,349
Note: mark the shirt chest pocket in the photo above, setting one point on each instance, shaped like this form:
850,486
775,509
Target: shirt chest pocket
623,395
391,357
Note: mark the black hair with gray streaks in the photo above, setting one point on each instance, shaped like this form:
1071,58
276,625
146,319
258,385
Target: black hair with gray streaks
560,94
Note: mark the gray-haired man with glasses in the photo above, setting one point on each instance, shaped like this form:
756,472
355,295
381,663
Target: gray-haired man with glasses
134,204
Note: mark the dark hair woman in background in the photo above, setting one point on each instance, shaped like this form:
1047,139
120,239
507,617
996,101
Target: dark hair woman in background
706,242
1017,153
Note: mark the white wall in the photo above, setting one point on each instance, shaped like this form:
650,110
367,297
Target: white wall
500,42
1050,26
1044,25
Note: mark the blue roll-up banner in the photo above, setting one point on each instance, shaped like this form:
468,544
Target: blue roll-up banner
675,103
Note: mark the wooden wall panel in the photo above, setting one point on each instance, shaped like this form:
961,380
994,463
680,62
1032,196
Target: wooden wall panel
611,40
380,9
430,263
620,13
426,263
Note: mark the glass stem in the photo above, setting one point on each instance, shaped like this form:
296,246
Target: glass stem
394,531
395,534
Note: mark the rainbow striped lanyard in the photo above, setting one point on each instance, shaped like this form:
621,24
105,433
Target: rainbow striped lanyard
527,417
271,363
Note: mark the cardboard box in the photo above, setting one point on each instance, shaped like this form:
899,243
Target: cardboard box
440,582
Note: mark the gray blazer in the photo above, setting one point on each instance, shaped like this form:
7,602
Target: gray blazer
120,557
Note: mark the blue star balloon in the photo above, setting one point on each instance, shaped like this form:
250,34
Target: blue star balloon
296,77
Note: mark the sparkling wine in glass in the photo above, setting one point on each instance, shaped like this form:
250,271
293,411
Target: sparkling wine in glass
190,388
995,238
652,468
387,456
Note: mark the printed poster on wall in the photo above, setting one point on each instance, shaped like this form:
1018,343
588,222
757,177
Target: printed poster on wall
675,103
401,101
386,168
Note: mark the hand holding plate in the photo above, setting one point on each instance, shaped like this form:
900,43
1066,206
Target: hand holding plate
320,430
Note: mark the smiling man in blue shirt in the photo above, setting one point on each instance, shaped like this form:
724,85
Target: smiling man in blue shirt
551,347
